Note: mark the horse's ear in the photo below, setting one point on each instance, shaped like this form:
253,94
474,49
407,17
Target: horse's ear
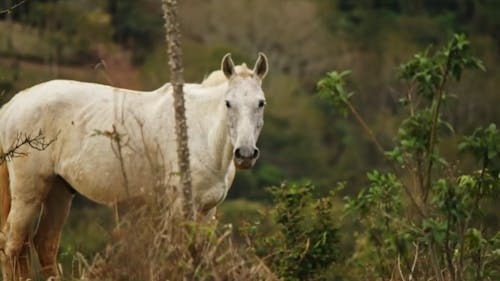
227,66
261,66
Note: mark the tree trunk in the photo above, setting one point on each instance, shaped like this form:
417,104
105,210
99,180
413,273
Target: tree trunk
175,62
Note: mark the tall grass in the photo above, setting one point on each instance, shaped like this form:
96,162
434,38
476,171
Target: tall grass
154,242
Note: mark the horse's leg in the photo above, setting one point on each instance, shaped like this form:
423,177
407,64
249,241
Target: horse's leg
54,213
27,195
16,260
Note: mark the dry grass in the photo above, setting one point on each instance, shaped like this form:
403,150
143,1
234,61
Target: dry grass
154,242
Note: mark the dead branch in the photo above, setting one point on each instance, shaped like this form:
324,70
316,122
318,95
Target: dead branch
38,142
117,143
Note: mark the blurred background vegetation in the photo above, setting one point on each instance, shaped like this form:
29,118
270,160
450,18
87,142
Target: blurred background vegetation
121,42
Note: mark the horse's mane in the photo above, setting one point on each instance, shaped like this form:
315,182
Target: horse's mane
217,77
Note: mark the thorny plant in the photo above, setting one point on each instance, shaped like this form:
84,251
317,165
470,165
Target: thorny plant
424,220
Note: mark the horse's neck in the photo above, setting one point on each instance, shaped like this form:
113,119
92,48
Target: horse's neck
208,112
219,139
221,146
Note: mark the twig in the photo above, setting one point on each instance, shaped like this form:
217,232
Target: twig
10,9
410,278
365,127
479,268
102,67
117,145
448,251
435,263
39,143
432,139
410,98
381,150
399,269
468,219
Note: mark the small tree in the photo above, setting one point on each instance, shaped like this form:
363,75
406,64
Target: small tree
424,219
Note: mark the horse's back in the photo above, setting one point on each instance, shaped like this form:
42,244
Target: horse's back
50,97
47,104
72,115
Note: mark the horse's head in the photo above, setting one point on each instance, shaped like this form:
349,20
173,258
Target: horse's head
245,102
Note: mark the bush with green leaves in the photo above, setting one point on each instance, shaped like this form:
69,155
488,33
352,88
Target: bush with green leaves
305,244
425,219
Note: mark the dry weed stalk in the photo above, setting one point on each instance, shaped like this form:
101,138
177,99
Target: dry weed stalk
174,51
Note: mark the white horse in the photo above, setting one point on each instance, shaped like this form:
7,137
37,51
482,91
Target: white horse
108,143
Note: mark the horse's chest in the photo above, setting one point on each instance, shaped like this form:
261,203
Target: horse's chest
210,188
212,197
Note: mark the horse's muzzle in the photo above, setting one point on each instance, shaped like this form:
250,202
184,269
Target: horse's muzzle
245,157
244,164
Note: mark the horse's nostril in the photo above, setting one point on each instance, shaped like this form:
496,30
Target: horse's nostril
245,152
237,153
255,153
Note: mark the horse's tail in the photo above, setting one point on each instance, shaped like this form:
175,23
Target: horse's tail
4,190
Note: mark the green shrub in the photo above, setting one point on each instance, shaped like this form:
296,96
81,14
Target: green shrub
305,244
425,219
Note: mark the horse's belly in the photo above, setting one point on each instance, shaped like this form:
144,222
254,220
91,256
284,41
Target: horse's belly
106,179
104,186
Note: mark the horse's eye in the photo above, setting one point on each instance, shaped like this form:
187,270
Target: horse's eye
262,103
228,104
